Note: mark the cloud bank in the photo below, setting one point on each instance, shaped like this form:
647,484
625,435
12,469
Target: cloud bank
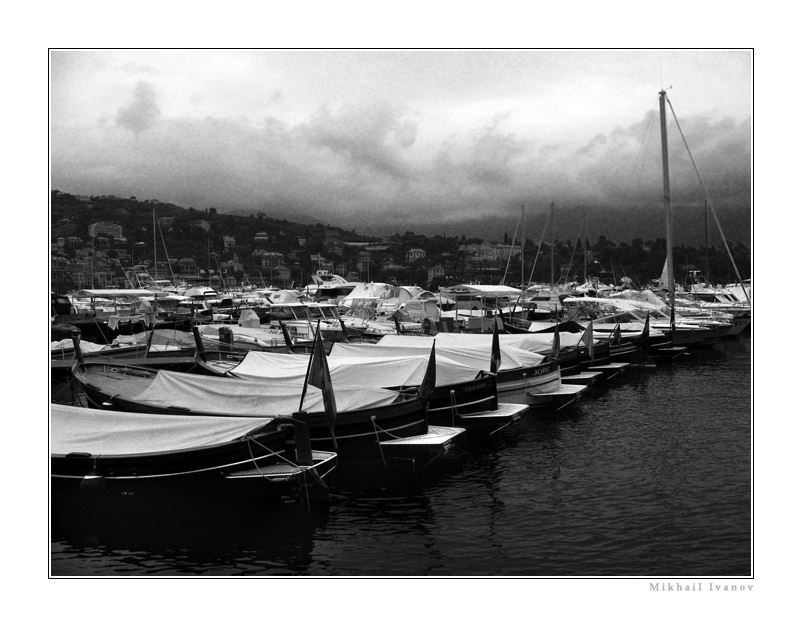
373,165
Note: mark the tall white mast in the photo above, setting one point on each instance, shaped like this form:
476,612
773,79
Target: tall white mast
669,226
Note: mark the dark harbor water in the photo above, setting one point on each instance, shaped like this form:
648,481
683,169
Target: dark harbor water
649,476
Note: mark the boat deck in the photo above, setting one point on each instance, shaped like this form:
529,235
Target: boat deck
610,370
506,411
582,378
560,397
281,471
436,436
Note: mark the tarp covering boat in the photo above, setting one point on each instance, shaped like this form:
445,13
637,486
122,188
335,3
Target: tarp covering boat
87,347
101,432
482,342
214,395
630,301
347,371
476,355
366,291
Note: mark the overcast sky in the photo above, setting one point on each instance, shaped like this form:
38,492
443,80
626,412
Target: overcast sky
366,139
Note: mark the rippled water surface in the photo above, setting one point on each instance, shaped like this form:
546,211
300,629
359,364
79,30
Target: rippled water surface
648,476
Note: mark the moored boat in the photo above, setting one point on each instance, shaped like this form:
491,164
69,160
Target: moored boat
102,453
365,416
523,376
461,396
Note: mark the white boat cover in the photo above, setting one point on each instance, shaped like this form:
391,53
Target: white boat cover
542,341
87,347
525,342
248,397
349,371
473,354
101,432
629,300
366,290
285,296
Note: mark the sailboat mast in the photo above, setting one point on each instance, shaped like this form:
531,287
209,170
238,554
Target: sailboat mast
706,244
553,240
585,247
155,243
666,190
522,248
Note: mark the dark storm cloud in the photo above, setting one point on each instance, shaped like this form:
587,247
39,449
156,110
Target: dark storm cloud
141,112
364,165
372,137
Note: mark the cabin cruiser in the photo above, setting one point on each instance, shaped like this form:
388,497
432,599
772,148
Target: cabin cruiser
328,287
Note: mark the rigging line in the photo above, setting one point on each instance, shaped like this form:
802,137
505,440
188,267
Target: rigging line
573,253
167,257
125,274
709,202
541,238
511,249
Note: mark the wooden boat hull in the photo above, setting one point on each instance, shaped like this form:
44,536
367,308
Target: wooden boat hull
447,402
270,478
262,462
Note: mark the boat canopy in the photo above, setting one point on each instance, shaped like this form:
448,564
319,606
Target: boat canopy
347,370
284,296
201,292
102,432
241,397
364,291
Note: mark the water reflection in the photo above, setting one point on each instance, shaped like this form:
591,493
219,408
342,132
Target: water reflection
175,537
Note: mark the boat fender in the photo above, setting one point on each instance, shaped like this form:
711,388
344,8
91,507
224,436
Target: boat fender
93,482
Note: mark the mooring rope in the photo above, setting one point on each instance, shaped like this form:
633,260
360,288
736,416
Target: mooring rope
299,480
377,438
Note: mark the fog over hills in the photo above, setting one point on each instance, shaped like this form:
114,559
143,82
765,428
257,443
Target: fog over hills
617,225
